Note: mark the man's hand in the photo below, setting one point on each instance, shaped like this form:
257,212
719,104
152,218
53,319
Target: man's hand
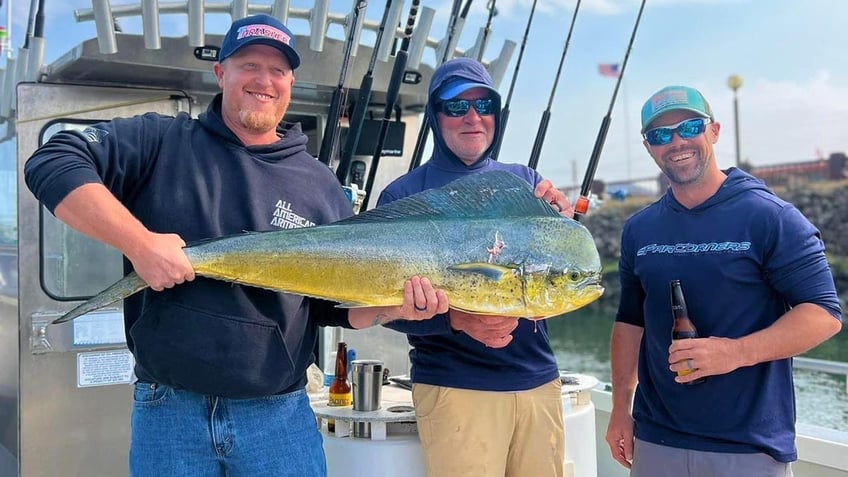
550,194
492,331
421,301
620,437
706,356
163,263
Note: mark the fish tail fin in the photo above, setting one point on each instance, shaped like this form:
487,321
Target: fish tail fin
119,290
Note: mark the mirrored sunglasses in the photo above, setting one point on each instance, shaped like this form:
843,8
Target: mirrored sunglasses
456,108
687,129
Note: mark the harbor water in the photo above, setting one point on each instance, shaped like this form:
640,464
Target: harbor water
580,341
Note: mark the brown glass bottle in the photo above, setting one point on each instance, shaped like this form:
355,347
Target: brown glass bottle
340,392
682,328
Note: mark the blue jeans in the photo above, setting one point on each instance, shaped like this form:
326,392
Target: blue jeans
181,433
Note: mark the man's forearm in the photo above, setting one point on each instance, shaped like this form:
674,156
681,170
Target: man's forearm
797,331
92,210
624,361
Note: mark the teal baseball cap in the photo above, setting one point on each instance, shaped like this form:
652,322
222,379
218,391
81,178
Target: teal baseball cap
673,98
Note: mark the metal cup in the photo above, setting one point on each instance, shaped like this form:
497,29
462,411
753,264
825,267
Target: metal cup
367,383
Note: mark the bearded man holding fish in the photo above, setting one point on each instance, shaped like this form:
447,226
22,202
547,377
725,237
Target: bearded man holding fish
212,355
486,388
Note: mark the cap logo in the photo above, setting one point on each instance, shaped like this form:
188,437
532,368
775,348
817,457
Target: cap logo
266,31
668,98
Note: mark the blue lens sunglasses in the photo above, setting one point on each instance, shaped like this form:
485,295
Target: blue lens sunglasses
687,129
457,108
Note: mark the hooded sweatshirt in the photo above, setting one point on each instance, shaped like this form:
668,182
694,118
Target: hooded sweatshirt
195,178
441,356
744,257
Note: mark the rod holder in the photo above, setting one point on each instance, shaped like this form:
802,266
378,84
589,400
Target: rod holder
239,9
150,24
391,32
419,37
105,24
280,10
196,23
497,67
318,24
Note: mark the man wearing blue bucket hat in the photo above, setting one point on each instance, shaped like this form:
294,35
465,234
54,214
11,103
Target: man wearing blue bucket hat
758,289
221,367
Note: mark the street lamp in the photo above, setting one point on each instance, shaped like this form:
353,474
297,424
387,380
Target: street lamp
734,82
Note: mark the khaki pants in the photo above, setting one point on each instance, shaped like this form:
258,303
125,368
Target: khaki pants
491,434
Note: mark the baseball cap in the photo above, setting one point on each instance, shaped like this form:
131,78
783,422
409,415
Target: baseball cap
673,98
259,30
459,86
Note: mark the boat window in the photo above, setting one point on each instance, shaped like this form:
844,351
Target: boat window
73,266
8,219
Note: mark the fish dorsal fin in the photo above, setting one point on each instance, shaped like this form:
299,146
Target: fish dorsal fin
483,195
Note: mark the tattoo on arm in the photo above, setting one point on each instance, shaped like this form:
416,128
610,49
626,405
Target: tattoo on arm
380,319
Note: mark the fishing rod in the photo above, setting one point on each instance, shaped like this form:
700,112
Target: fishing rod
582,205
361,105
487,29
331,129
496,149
546,116
398,72
425,121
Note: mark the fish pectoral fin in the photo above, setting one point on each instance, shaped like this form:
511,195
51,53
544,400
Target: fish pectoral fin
488,270
352,304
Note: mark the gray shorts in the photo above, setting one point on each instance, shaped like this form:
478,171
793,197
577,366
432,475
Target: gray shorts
653,460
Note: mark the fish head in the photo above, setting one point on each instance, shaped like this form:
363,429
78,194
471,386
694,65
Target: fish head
564,271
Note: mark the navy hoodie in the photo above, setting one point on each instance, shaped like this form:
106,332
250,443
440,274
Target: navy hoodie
743,258
439,355
195,178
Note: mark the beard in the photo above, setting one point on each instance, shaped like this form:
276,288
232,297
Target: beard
689,175
263,120
259,121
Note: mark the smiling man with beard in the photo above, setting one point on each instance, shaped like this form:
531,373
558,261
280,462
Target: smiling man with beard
221,367
758,289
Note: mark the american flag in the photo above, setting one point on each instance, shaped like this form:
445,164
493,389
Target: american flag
608,69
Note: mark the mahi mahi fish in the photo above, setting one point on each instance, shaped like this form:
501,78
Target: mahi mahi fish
485,239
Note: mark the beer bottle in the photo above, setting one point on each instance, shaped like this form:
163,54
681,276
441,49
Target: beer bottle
340,392
682,328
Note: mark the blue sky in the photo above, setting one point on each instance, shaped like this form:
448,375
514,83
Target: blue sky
790,54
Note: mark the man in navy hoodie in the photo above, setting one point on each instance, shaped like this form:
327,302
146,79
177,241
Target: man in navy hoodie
221,367
758,289
486,389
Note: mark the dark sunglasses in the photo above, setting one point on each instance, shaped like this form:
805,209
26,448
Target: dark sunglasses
457,108
687,129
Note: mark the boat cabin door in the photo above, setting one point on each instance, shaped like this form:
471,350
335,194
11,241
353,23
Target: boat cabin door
74,395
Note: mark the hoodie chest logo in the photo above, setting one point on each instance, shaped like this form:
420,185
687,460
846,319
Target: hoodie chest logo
694,248
94,135
285,218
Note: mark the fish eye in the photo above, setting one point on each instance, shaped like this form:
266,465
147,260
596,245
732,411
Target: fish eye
574,275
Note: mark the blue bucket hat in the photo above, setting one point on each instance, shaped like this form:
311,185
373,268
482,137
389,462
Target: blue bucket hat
672,98
259,30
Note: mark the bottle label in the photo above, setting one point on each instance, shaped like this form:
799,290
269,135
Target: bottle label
339,400
684,372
